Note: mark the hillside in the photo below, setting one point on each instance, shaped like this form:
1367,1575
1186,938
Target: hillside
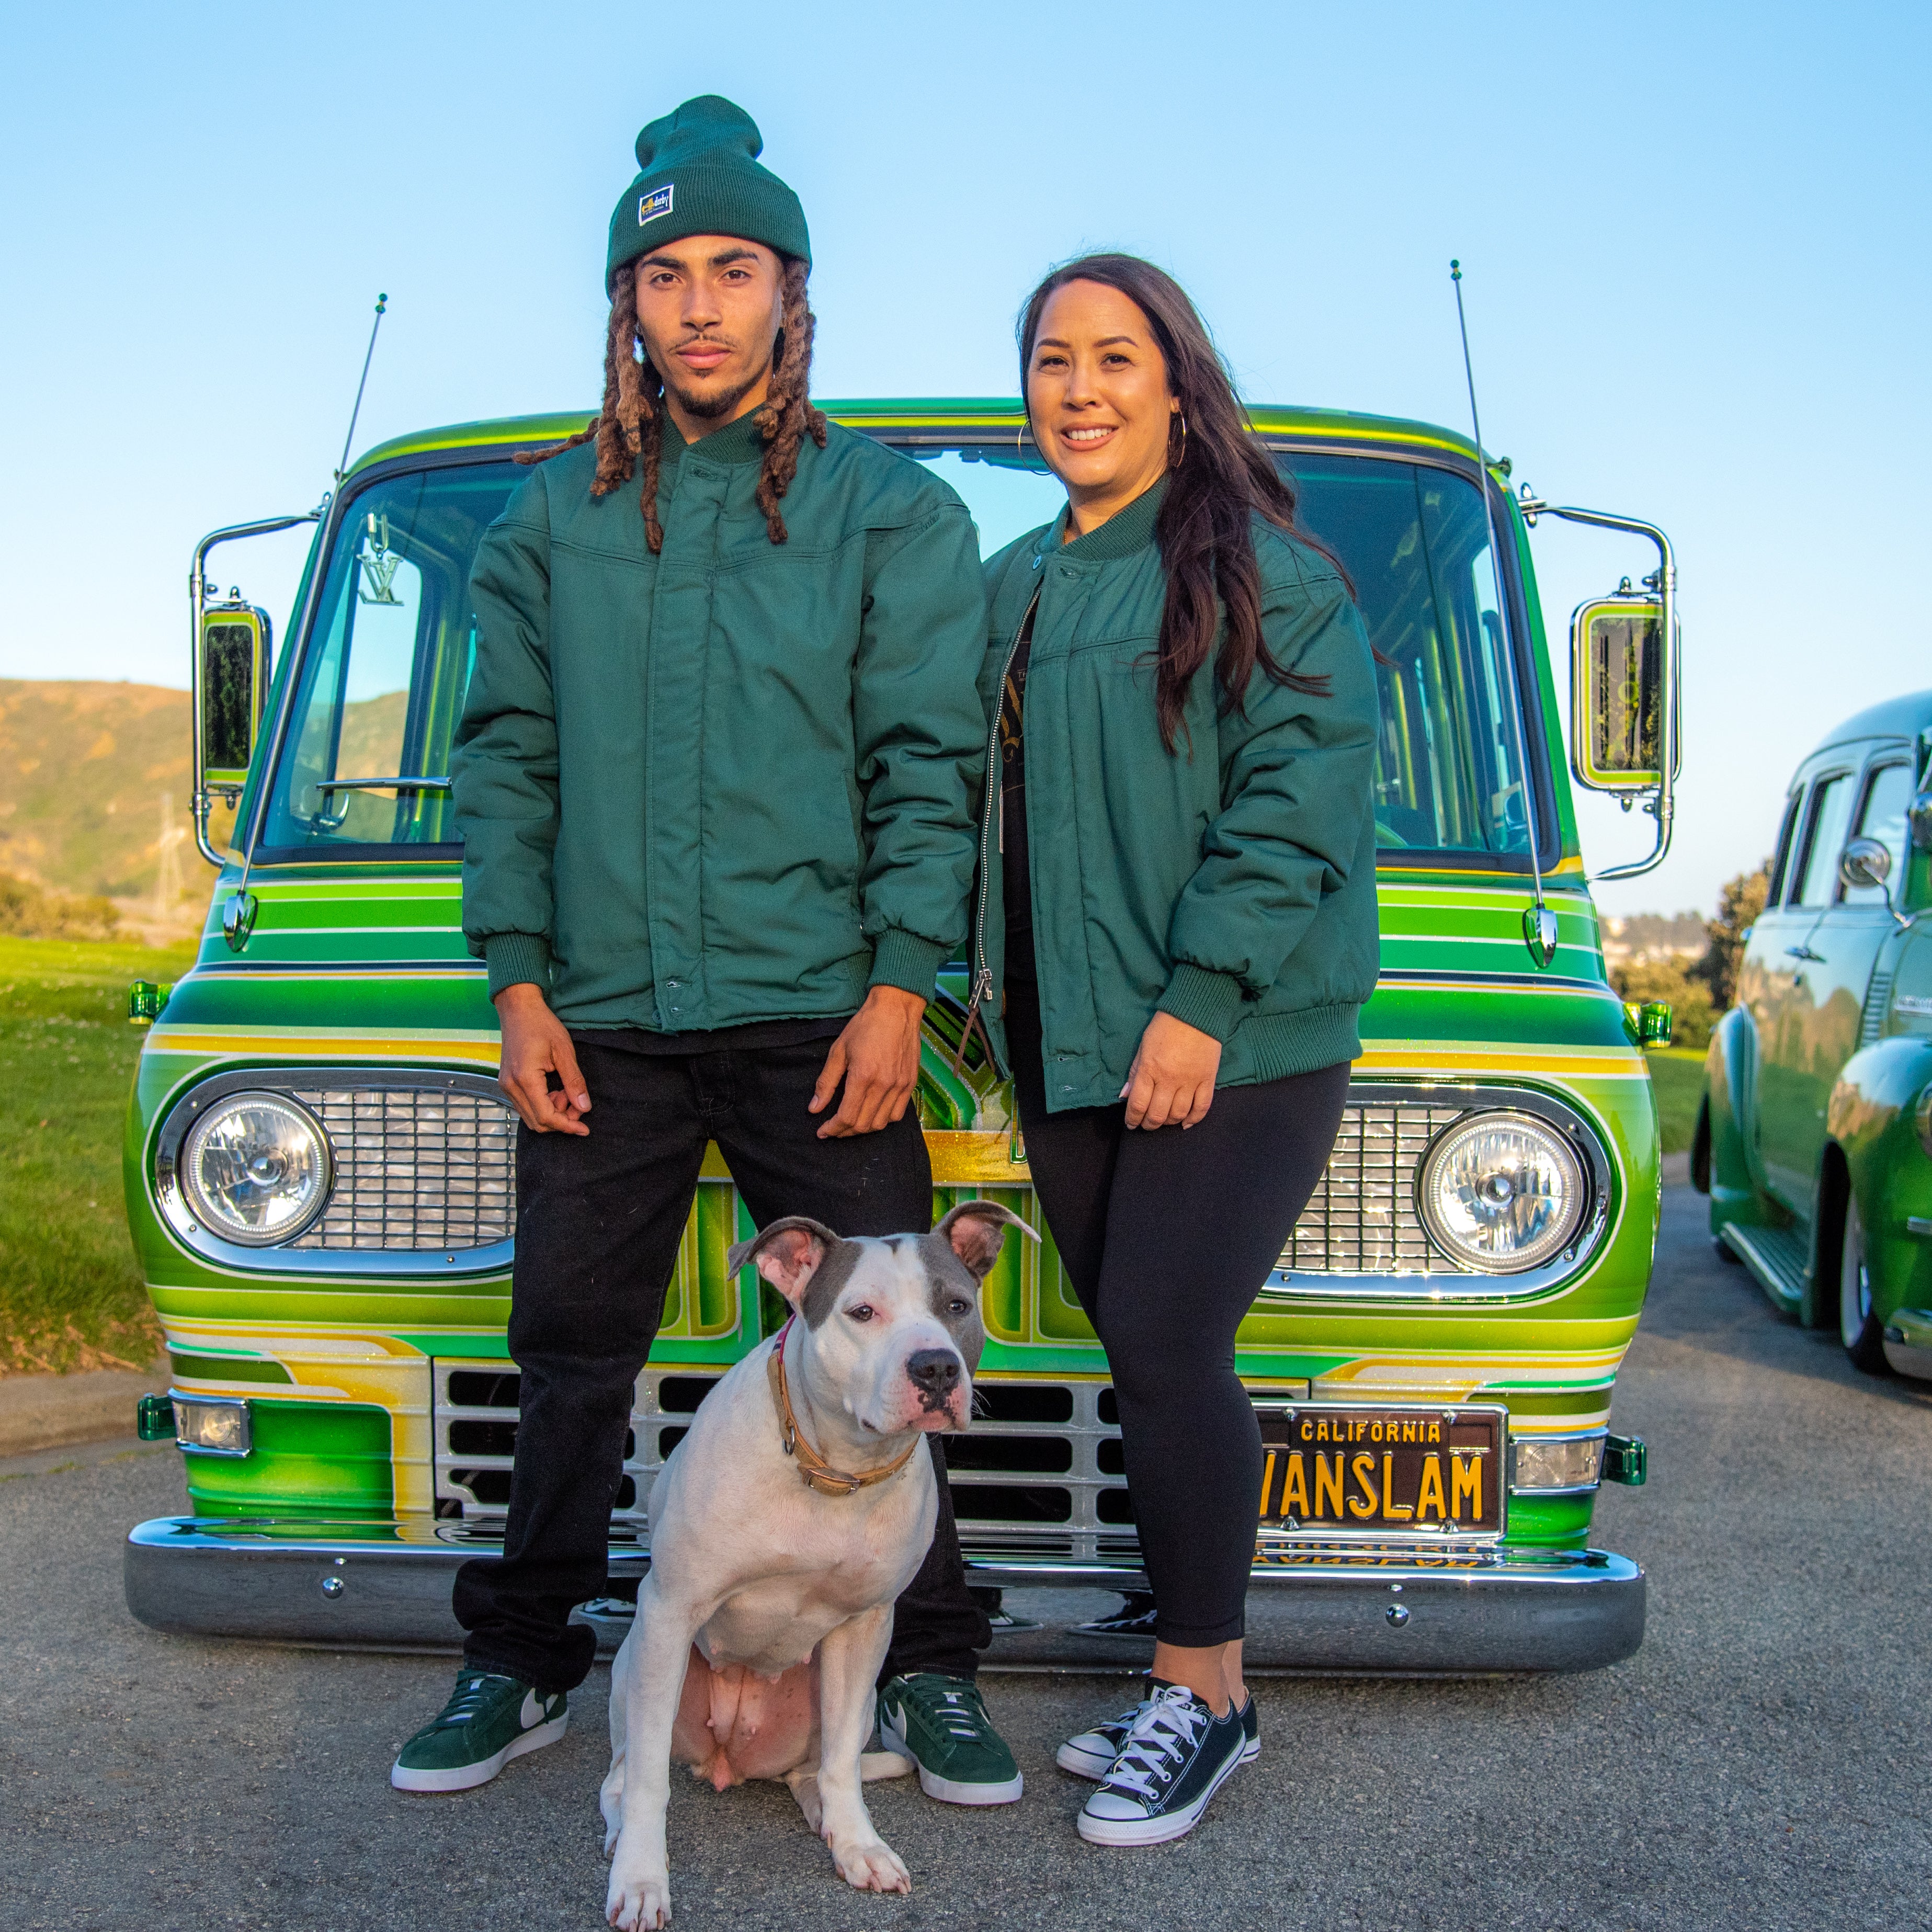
85,768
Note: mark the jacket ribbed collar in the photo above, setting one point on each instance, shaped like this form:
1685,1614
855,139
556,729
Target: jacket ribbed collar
738,441
1125,532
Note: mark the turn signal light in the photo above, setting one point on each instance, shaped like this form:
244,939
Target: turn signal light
211,1428
1558,1462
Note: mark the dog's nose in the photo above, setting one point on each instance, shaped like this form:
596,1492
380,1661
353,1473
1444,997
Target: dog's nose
934,1372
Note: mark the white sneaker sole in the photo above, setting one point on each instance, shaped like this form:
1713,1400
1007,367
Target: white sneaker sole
467,1777
944,1789
1155,1831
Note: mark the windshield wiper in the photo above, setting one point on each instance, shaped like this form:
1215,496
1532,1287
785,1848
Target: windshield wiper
381,784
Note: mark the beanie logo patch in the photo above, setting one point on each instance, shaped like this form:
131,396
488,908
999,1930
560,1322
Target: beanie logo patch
657,202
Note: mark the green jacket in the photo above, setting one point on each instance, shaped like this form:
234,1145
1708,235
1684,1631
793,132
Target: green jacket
1232,885
734,782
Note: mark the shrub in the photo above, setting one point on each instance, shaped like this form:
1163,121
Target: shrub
28,910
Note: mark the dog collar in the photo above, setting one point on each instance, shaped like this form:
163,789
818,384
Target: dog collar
815,1471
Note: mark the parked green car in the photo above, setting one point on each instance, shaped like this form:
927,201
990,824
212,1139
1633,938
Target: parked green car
320,1168
1814,1135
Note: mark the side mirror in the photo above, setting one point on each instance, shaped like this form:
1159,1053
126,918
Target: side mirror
234,648
1919,817
1618,674
1865,866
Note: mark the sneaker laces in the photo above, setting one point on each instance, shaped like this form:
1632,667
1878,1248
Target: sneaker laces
958,1711
1164,1734
468,1700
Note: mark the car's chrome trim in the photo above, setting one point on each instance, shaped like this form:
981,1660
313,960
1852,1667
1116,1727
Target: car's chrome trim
1456,1284
1365,1611
284,1081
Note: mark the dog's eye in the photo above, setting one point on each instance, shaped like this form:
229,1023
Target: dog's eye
860,1311
956,1306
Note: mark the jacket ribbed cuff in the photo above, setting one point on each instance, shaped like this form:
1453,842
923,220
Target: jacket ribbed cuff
515,959
1211,1002
904,960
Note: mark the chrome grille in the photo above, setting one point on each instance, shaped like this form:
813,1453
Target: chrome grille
415,1167
1361,1218
1050,1486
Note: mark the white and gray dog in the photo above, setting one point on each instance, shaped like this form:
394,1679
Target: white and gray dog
783,1528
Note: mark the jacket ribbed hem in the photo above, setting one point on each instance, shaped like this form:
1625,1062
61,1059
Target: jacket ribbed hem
904,960
1209,1002
1274,1047
516,959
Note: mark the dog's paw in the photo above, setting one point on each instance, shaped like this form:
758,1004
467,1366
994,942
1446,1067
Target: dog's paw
638,1902
870,1864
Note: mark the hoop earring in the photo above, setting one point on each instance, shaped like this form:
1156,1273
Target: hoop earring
1184,438
1017,434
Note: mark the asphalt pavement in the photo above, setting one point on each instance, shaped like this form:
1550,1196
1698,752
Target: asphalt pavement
1760,1763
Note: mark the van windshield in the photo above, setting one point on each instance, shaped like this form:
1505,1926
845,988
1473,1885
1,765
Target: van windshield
366,761
365,766
1414,538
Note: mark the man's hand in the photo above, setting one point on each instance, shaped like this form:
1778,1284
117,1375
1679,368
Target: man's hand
878,1057
535,1046
1172,1082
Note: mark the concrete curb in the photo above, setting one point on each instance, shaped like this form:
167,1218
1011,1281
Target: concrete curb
49,1411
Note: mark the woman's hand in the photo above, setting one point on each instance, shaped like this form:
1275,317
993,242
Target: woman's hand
1172,1082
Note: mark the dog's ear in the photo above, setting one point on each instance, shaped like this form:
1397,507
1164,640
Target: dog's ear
977,1230
787,1254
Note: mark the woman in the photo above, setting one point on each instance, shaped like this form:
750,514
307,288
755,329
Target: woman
1181,910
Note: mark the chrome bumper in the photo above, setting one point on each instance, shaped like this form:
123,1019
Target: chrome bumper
1391,1612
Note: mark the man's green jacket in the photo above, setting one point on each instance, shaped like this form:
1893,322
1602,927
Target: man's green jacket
734,782
1232,882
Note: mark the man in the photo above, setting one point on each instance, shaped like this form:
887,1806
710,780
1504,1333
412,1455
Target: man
715,776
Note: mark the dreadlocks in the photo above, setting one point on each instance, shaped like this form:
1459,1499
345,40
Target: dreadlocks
631,425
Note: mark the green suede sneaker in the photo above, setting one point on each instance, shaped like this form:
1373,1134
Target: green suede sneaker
488,1721
940,1724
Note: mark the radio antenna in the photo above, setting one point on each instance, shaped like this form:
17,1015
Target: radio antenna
382,309
1539,922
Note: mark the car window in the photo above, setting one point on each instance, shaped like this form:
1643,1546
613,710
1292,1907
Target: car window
1781,866
1888,792
1830,819
381,686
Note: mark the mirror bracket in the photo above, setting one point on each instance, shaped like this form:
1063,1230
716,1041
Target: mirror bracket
204,596
1662,582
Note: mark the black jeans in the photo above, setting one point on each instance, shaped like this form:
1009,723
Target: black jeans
1167,1237
599,1222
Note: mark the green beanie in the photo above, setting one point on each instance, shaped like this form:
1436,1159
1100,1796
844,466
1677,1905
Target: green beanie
700,176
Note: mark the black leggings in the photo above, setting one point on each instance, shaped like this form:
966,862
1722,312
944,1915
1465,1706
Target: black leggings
1167,1237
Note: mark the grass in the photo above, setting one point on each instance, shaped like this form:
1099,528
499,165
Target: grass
70,1294
1677,1078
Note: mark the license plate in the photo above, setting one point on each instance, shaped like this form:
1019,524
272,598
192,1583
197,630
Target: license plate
1383,1470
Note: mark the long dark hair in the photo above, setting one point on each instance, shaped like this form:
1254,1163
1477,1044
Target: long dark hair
1219,474
629,429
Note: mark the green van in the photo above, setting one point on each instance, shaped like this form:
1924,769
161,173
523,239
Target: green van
1814,1136
321,1170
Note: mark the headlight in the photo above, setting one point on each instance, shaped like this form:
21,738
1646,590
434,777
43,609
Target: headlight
1501,1191
256,1169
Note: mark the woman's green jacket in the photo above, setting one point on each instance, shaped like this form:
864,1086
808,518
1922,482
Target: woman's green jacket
1231,882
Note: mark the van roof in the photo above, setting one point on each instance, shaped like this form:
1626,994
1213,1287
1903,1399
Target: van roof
1903,717
1001,414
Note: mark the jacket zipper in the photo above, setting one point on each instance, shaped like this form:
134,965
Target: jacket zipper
983,978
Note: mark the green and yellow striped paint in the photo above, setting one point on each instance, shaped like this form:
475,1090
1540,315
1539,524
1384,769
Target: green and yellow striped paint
364,966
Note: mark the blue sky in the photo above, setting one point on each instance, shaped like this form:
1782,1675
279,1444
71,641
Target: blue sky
1696,239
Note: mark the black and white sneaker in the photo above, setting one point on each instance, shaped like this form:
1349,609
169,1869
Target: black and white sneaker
1176,1756
1091,1754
